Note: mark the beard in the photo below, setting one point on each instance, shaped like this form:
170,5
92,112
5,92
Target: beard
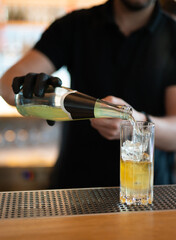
137,5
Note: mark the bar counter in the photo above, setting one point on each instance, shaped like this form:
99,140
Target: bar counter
94,213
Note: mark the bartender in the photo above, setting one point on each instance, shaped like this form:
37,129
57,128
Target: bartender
122,51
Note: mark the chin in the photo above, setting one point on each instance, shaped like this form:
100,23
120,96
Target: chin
136,5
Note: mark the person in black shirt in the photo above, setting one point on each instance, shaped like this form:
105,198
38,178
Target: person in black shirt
124,52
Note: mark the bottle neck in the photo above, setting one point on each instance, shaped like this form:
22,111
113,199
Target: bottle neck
105,109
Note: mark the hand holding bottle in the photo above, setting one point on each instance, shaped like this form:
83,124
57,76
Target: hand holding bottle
109,128
36,84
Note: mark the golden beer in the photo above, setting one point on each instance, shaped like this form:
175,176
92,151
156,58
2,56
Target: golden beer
136,181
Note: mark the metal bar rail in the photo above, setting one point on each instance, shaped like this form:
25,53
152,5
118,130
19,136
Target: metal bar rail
51,203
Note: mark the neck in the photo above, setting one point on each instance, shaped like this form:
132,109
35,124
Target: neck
130,21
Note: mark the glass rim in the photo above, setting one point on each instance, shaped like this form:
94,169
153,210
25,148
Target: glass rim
127,123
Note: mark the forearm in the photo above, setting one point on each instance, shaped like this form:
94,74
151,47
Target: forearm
165,132
34,61
6,84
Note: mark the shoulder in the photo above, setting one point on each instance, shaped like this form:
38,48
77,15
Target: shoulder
81,17
169,23
88,13
167,32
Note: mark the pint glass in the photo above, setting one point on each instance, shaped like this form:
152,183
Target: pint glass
136,162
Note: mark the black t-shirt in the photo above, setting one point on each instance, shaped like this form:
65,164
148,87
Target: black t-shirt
102,61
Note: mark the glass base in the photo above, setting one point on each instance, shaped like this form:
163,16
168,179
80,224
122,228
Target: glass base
136,200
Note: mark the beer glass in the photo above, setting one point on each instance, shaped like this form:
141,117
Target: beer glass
136,162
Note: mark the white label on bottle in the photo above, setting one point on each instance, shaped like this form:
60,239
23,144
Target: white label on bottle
62,103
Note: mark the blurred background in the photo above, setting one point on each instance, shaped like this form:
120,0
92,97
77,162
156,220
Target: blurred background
27,150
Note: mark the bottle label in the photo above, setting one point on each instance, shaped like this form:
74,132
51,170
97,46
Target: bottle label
78,105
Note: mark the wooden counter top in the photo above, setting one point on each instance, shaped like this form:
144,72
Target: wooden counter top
83,214
156,225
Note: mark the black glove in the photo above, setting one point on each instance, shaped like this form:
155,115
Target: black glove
34,83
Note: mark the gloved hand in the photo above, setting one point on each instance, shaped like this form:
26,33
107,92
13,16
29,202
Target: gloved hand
34,83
